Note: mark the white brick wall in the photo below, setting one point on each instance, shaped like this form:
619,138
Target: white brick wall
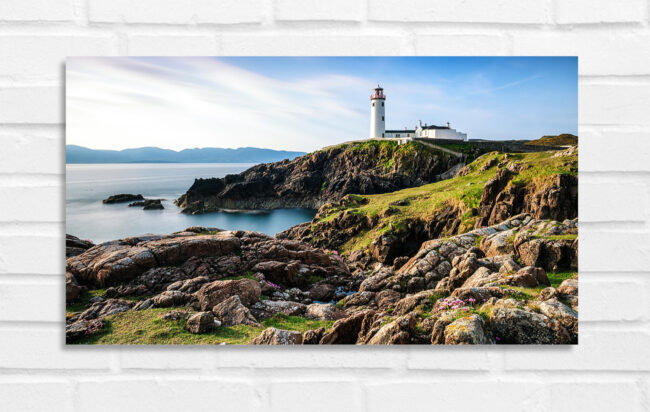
610,368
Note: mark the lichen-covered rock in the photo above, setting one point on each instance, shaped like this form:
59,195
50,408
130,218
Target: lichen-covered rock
201,322
231,312
323,311
312,337
518,326
396,332
468,330
82,328
274,336
267,308
410,302
557,310
170,298
213,293
106,308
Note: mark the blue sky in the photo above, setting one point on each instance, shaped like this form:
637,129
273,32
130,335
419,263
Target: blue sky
304,103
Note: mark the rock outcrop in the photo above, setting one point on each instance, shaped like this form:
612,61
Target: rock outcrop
121,198
323,176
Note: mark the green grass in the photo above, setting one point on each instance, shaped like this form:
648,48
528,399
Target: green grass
558,277
424,202
146,327
80,304
565,139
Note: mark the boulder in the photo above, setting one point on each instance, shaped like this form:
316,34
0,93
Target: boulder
323,311
175,315
201,322
468,330
568,287
511,325
312,337
267,308
545,253
410,302
439,325
395,332
106,308
75,246
274,336
170,298
189,285
347,330
480,294
358,299
557,310
500,243
528,277
376,281
231,312
323,292
387,299
213,293
82,328
110,263
72,288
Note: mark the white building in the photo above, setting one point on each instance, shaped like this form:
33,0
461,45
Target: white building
378,124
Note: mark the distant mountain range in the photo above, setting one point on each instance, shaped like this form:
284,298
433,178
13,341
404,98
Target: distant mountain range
79,154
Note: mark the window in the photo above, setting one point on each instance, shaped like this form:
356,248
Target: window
382,118
382,104
373,104
397,135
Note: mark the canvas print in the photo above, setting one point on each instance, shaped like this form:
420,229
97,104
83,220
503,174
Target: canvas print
322,200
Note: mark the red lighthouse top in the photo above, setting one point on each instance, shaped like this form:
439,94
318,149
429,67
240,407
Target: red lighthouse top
378,94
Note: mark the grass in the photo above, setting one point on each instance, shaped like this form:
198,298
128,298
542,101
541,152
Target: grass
146,327
80,304
559,140
424,202
558,277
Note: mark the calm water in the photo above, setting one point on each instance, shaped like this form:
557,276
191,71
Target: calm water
88,218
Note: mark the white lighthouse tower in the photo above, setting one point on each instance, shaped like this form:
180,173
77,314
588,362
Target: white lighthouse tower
377,113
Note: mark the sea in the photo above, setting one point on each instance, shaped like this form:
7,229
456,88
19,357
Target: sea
88,218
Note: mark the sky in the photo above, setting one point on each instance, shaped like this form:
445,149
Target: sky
305,103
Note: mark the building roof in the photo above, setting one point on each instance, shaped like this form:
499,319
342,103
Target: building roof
434,127
399,131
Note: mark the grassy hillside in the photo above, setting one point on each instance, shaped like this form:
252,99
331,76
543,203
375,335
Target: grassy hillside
391,210
564,139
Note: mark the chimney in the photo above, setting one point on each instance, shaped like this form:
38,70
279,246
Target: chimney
447,125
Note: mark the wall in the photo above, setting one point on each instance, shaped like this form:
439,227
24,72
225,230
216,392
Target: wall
609,370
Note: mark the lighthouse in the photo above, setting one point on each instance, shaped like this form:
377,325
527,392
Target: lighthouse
377,113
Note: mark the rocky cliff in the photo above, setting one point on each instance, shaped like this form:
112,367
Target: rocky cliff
320,177
490,190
